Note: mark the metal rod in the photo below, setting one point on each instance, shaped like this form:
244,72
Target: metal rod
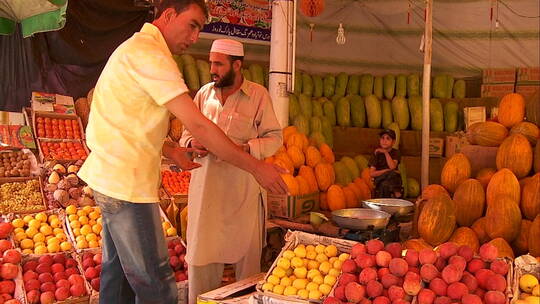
426,93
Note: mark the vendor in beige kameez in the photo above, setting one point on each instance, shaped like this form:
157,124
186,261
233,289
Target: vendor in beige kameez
226,210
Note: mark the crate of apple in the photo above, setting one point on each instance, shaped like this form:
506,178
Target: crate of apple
53,278
9,271
177,253
91,264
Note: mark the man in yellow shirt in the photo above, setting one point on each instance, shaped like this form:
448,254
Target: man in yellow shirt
127,126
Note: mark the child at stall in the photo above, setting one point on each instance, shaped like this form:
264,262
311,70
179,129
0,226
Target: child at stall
383,167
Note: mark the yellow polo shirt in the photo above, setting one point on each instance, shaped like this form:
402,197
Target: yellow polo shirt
128,121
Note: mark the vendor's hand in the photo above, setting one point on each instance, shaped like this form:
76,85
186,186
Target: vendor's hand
200,151
181,158
196,144
379,150
268,176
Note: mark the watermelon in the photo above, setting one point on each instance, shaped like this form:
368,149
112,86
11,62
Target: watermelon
179,63
317,86
413,187
330,112
459,88
297,83
351,166
361,161
449,86
301,123
257,73
204,72
315,124
415,108
353,86
378,87
401,85
436,115
317,138
343,112
187,59
335,99
403,172
451,109
400,111
329,84
341,84
327,131
373,111
413,85
439,86
395,127
317,108
247,75
306,106
307,85
358,111
191,77
387,118
343,176
389,86
366,85
294,107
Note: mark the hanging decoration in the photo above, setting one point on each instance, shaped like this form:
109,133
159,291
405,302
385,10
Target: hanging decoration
340,39
311,8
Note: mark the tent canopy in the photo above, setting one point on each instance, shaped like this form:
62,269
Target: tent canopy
35,16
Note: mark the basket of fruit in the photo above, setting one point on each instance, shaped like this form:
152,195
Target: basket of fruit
307,268
175,183
526,284
62,150
62,187
21,163
21,195
41,233
90,261
177,253
84,226
57,126
54,278
11,279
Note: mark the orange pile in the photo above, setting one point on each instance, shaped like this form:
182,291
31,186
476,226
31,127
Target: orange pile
63,150
176,182
58,128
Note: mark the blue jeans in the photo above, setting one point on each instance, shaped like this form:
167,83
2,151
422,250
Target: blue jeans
135,265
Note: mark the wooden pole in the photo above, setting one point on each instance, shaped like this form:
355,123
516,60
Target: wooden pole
426,93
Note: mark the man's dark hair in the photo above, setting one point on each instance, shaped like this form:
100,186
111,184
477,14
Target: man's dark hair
180,6
234,58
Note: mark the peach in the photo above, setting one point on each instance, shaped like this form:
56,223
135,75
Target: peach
367,274
30,265
89,262
62,293
428,272
374,289
349,266
499,267
47,286
466,252
438,286
43,268
459,261
339,293
470,281
354,292
451,273
57,267
382,271
381,300
475,265
47,297
440,263
365,260
374,246
90,273
494,297
365,301
45,277
33,296
63,283
414,269
331,300
98,257
382,258
396,293
7,287
394,249
471,299
46,259
427,256
496,282
448,249
87,255
96,282
357,250
76,279
480,293
12,301
412,257
398,267
482,277
59,258
457,290
33,284
426,296
77,290
29,275
70,263
412,284
488,252
11,256
442,300
9,271
59,276
346,278
389,280
70,271
401,301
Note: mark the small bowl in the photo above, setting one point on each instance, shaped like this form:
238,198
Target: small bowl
361,218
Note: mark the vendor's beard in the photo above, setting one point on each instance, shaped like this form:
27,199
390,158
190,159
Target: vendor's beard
227,80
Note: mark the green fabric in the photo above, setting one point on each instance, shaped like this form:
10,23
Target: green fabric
58,2
45,22
7,26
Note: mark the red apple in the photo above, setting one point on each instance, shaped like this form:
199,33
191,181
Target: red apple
12,256
9,271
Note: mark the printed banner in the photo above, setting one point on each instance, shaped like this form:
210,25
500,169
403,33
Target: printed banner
247,19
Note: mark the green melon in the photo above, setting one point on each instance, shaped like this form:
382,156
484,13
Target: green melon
400,111
317,138
343,176
415,108
315,124
459,88
358,111
247,75
413,187
366,85
204,72
327,131
187,59
386,107
307,84
351,166
306,106
343,112
449,86
341,84
257,73
401,85
297,83
301,123
330,112
395,127
179,63
389,86
451,109
191,76
439,86
373,112
413,85
353,86
436,115
294,107
317,86
378,87
329,85
317,108
361,162
403,171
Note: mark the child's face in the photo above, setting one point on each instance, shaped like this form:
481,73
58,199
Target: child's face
386,142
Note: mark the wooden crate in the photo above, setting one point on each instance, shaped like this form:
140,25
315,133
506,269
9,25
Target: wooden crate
43,159
51,115
5,180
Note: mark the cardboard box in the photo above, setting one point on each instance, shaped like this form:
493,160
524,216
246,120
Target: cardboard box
291,207
496,90
498,75
453,145
480,157
528,74
238,292
436,146
16,137
472,115
11,118
48,102
527,89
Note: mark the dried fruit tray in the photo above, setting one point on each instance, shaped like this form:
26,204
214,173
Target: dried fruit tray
525,264
70,300
293,239
30,163
9,206
64,150
57,126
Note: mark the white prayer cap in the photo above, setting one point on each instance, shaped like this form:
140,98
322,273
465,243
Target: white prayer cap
228,47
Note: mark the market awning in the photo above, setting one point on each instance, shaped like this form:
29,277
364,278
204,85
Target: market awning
35,16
